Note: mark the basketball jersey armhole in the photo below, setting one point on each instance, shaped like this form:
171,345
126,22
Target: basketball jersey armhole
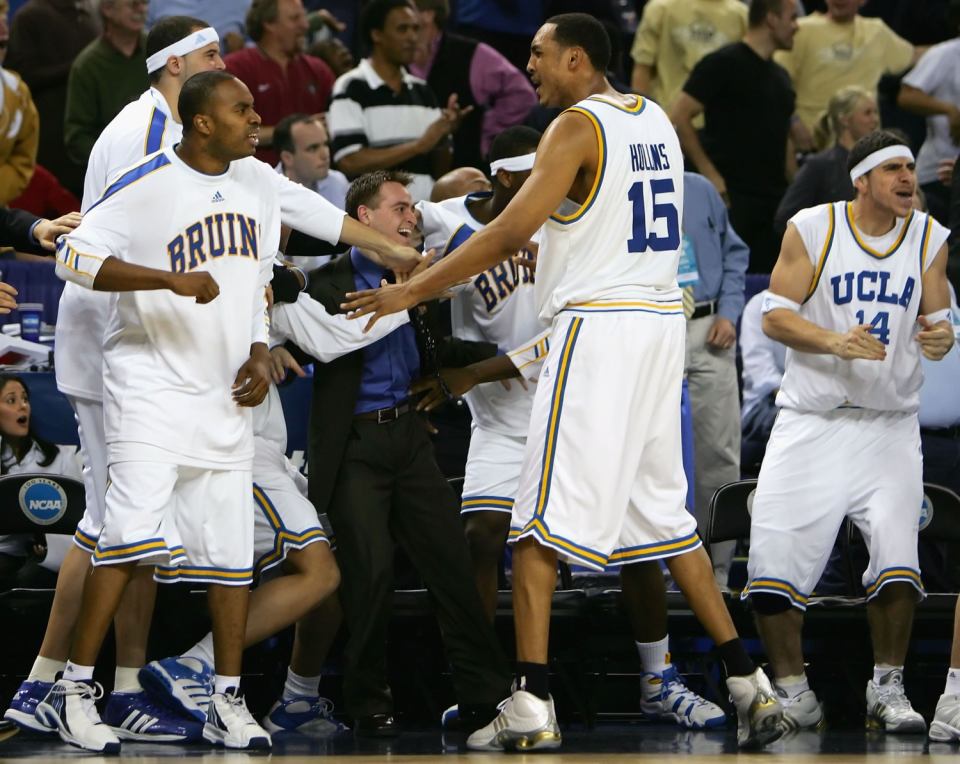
601,166
825,252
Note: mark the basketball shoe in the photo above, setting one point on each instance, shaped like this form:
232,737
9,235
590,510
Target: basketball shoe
525,723
230,724
181,684
888,708
308,716
665,697
70,709
802,712
135,716
23,707
758,712
945,726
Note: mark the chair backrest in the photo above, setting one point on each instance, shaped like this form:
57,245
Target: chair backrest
40,503
728,516
940,515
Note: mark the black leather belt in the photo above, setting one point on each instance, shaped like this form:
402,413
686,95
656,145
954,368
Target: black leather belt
382,416
945,432
705,309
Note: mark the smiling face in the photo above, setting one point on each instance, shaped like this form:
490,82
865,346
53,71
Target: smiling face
14,410
234,127
393,215
891,186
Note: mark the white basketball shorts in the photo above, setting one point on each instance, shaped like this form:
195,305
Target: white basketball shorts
93,447
602,480
284,519
493,471
195,524
821,467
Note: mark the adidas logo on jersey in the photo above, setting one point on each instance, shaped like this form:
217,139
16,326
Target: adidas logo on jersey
217,198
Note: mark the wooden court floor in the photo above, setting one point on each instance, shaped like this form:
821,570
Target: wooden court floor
607,744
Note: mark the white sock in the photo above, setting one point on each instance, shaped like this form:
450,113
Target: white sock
45,669
953,682
125,680
203,650
224,683
654,656
793,685
76,673
880,670
298,686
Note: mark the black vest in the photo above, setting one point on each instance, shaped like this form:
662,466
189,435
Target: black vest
450,74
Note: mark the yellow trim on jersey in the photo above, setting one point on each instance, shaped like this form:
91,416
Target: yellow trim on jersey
150,546
896,574
668,549
512,353
601,163
446,247
823,255
864,247
665,307
540,530
272,516
632,110
923,248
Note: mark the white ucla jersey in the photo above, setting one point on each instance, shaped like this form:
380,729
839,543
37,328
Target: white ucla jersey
170,363
861,279
498,306
622,245
141,128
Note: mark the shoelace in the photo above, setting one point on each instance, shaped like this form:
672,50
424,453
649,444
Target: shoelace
672,682
894,696
326,707
239,704
89,695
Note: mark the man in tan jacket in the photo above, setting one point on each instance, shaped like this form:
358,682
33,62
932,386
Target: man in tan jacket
19,125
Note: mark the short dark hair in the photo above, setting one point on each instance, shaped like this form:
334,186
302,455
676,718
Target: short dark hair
196,94
167,31
759,10
283,132
261,12
365,190
514,142
440,8
374,16
879,139
583,31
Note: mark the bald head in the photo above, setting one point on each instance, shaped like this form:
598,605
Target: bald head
459,182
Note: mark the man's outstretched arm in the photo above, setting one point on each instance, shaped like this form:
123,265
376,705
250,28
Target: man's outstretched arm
569,143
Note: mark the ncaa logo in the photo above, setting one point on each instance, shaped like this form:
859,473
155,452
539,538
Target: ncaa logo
43,501
926,512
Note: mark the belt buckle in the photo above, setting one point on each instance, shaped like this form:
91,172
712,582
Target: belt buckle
380,413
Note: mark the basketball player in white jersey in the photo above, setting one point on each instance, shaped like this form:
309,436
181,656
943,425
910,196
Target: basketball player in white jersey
177,47
602,478
858,293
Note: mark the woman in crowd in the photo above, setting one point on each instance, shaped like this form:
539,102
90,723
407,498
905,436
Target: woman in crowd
22,451
823,178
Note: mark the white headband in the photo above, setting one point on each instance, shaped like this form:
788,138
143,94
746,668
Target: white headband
877,158
193,41
513,164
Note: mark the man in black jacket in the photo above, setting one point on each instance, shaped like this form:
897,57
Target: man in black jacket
373,471
35,236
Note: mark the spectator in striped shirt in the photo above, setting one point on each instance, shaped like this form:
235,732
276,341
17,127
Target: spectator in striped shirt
382,117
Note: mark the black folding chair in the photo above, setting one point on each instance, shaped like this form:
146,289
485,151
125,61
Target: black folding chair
38,503
728,516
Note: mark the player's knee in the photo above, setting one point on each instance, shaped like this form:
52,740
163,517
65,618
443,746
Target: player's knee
487,534
766,603
317,565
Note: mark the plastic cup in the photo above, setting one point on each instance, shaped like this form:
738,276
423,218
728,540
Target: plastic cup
30,318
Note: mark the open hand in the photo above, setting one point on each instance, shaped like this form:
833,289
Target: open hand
47,231
389,298
935,339
859,343
280,361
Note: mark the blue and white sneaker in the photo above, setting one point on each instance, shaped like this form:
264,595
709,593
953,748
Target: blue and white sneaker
181,684
451,718
135,716
665,697
308,716
70,708
230,724
23,707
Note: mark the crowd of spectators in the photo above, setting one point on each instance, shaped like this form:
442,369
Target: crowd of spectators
767,97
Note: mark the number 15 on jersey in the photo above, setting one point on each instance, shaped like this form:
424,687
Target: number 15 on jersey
643,237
